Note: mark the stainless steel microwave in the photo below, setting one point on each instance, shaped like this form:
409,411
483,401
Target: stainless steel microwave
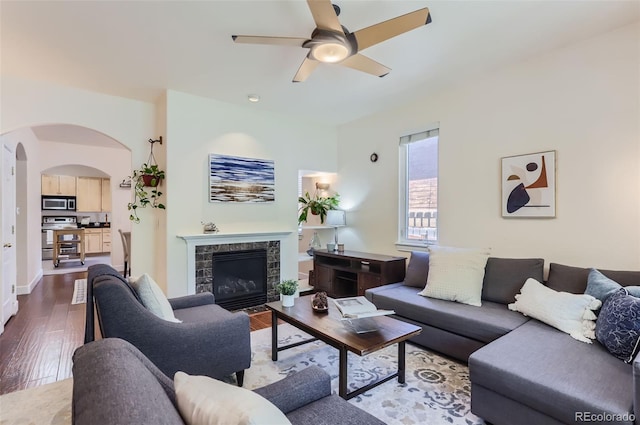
59,203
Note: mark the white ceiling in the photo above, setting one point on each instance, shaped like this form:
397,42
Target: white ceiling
137,49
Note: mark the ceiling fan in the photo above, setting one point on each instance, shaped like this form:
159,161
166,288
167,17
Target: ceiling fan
330,42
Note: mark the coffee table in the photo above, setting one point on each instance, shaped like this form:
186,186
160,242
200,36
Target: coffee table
330,329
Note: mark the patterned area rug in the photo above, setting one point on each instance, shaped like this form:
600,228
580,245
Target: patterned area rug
436,391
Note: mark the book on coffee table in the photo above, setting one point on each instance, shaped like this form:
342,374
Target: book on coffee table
358,308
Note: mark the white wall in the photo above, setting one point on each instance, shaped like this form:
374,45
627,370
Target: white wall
28,232
25,103
198,126
582,101
115,163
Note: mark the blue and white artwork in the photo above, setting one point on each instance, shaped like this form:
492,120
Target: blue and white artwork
237,179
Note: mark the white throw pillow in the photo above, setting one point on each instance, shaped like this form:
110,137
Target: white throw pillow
207,401
153,298
456,274
570,313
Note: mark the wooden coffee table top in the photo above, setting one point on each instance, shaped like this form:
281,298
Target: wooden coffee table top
330,328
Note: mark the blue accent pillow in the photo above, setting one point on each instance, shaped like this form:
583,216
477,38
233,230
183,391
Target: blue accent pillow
618,325
601,287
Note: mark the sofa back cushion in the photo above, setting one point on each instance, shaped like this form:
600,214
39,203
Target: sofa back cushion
503,277
574,279
417,270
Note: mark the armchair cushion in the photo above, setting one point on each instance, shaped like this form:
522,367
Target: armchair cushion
153,298
203,298
203,400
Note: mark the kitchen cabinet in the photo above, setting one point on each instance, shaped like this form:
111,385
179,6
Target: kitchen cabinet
106,240
92,241
106,195
58,185
93,194
97,240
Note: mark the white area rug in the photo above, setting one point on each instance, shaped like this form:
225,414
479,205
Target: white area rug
48,404
79,292
436,391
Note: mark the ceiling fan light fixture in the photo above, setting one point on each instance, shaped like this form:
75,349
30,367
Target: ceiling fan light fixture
330,52
253,98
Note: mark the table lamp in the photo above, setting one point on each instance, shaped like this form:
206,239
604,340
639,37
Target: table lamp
336,218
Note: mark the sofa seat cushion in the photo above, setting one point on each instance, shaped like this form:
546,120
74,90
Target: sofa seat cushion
331,410
549,371
484,324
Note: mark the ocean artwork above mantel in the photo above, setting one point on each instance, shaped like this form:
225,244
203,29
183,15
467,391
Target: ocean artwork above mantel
238,179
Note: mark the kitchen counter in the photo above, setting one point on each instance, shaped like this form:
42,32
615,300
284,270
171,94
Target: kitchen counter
95,225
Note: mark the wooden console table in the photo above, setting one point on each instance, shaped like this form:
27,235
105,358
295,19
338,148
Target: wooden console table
350,273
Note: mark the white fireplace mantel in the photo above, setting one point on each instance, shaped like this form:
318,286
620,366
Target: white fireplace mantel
201,239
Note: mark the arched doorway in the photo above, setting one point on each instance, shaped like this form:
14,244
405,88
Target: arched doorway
55,145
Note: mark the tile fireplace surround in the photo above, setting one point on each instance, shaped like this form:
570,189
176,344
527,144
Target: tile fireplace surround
201,247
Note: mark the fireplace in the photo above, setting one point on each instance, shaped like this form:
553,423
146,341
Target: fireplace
239,278
204,269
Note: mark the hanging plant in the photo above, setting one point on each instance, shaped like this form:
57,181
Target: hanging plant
317,205
145,181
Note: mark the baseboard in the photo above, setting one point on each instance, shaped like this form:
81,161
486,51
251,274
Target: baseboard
26,289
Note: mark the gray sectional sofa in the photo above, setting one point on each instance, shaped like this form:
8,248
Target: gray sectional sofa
115,384
522,371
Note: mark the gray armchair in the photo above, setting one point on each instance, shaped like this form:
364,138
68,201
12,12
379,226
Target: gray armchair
210,341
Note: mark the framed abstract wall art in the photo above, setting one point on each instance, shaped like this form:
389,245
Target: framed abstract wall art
237,179
529,185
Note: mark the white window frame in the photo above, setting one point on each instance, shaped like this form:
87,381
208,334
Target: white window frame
403,243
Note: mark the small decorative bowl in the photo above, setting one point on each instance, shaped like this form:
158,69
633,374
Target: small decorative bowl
319,310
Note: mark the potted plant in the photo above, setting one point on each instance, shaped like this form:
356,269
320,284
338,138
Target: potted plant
147,176
317,205
287,290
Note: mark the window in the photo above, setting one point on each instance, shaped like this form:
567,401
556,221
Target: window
418,221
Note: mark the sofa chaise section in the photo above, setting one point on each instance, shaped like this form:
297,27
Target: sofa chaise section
542,376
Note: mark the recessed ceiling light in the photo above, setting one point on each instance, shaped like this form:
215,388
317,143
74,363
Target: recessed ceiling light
253,98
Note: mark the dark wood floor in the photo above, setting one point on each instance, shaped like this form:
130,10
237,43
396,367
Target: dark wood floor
38,342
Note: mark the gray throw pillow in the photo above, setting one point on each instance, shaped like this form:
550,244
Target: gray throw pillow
417,270
503,277
601,287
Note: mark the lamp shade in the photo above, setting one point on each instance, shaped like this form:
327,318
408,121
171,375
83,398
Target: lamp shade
336,218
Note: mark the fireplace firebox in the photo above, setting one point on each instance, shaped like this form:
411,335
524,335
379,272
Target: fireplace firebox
240,278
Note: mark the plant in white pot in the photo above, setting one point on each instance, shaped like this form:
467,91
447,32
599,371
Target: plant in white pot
287,290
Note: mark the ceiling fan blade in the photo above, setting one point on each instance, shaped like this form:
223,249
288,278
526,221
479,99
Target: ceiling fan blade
278,41
377,33
307,67
324,15
364,64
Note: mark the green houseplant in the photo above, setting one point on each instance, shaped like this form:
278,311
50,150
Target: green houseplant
145,181
317,205
287,289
